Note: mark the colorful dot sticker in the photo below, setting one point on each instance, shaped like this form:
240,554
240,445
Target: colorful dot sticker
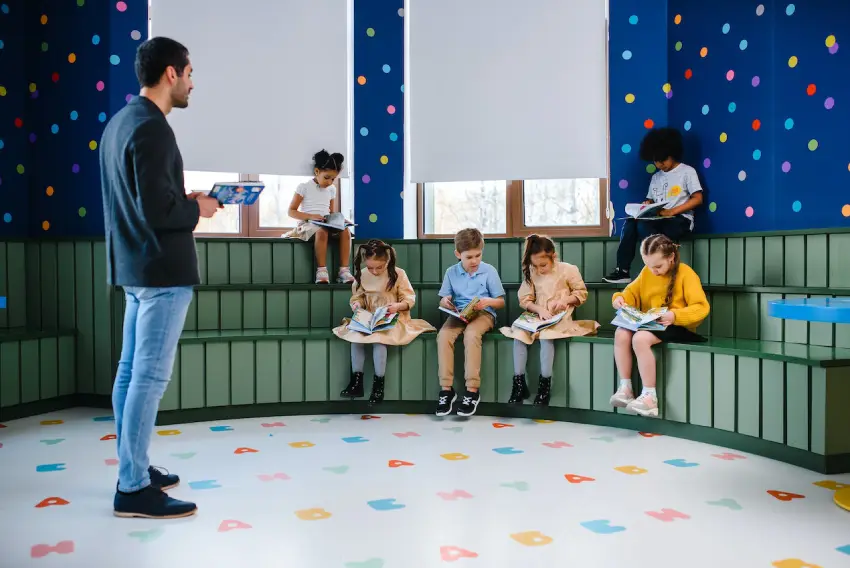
703,52
706,163
81,211
370,32
74,115
666,87
796,207
114,59
391,109
733,107
373,218
790,9
624,183
136,35
648,123
364,131
121,6
361,80
650,168
385,68
786,167
792,61
92,145
749,212
725,29
756,124
712,206
687,125
678,19
813,145
101,117
760,10
626,148
49,191
393,136
54,129
756,155
742,175
829,103
627,55
811,89
678,46
72,57
7,217
845,211
730,75
633,20
384,160
95,39
724,137
689,73
100,85
705,109
630,98
830,40
743,45
45,225
366,178
756,81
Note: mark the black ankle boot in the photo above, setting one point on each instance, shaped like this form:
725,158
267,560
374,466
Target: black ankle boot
543,387
520,390
377,390
355,386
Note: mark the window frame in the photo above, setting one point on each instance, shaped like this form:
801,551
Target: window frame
515,218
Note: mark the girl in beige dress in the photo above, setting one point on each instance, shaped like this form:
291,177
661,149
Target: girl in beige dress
383,284
548,287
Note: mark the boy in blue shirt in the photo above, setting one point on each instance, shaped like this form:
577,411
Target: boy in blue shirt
469,278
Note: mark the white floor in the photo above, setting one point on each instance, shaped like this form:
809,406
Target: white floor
412,491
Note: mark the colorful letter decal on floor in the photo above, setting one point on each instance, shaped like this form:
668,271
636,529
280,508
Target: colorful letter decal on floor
355,440
532,538
245,451
728,457
667,515
371,563
454,553
336,469
794,563
572,478
217,429
502,425
169,432
317,514
507,450
454,495
831,485
679,462
50,467
108,437
385,505
52,442
399,463
783,496
455,429
104,419
649,434
278,476
272,424
557,445
148,535
232,525
728,503
602,526
405,434
204,484
110,461
844,549
631,469
184,455
61,547
52,423
51,502
302,444
518,485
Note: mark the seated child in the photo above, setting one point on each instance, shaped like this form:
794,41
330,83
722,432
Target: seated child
383,284
315,199
463,282
548,287
664,282
674,182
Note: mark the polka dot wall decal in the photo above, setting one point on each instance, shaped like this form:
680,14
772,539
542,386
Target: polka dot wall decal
2,44
733,107
706,163
811,89
72,57
81,3
114,59
92,145
705,109
730,75
648,123
829,103
7,217
44,46
361,80
136,35
364,131
844,211
742,175
366,178
20,169
789,123
726,28
95,39
100,86
75,168
743,45
650,168
756,124
834,49
666,87
385,68
756,81
370,32
724,137
393,136
623,184
49,191
391,109
19,123
790,9
678,19
372,217
401,12
32,87
627,55
689,73
678,46
759,9
703,52
2,91
128,98
630,98
796,207
402,88
81,211
384,160
74,115
786,167
830,40
54,129
43,19
756,154
2,144
712,206
101,117
55,77
4,8
792,61
45,225
121,6
626,148
32,137
813,145
749,211
687,125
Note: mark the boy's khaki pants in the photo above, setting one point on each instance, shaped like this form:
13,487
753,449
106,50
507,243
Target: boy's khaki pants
473,333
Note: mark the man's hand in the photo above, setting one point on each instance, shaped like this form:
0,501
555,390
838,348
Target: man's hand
446,302
666,213
208,205
667,318
618,302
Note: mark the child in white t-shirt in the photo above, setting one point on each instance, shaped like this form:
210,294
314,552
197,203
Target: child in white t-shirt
315,199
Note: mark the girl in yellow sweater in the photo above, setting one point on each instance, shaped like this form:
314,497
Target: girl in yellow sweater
664,282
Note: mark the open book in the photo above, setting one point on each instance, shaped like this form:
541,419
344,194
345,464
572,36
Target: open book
645,211
532,323
333,221
635,320
369,323
237,193
466,313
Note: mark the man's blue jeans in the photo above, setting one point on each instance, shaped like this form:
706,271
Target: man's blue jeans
153,321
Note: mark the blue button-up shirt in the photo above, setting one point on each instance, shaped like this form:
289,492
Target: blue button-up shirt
463,286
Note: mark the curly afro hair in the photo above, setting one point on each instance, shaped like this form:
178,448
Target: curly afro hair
660,144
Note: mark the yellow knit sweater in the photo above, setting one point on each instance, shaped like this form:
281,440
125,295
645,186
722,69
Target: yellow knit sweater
689,304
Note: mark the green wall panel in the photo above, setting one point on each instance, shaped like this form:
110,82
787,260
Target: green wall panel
283,269
816,256
413,376
261,263
48,368
171,398
316,370
839,261
818,404
773,401
218,263
747,316
217,374
749,396
192,367
795,253
230,314
700,388
242,373
16,290
594,262
240,263
47,282
604,377
66,292
580,377
292,365
84,280
67,382
676,386
10,373
754,261
30,383
797,392
268,371
701,259
724,392
774,262
717,261
735,260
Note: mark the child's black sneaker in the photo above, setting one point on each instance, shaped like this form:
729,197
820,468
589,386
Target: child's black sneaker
445,400
377,395
618,276
520,391
163,481
469,404
151,503
544,390
354,388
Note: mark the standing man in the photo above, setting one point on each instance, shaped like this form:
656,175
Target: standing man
150,250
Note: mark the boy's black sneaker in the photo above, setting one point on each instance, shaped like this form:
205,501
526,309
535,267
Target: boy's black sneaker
469,404
520,391
151,503
618,276
445,401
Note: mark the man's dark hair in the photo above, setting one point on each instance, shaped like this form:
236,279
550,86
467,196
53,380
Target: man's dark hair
660,144
155,55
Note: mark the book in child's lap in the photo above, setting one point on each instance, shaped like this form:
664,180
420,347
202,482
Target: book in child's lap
466,314
532,322
629,317
369,323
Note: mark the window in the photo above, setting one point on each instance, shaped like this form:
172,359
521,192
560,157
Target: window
514,208
225,222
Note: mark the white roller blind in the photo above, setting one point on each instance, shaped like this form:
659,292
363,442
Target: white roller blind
500,89
271,82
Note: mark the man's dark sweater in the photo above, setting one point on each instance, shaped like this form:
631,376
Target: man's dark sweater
148,218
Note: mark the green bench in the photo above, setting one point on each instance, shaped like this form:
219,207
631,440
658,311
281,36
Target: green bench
779,400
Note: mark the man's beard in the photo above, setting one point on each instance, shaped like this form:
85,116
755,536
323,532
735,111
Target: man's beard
180,102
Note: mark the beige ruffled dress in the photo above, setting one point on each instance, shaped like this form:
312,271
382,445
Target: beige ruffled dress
372,294
563,282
